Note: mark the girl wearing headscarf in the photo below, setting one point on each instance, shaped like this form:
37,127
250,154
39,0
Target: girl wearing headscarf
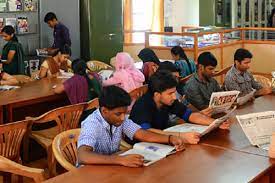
126,75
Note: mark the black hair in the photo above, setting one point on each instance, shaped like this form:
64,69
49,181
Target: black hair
113,97
169,66
8,29
49,16
161,81
79,67
241,54
65,50
177,50
148,55
207,59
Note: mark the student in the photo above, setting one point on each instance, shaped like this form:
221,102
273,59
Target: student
126,75
240,79
152,110
6,79
201,85
61,33
185,65
102,132
12,54
52,65
81,87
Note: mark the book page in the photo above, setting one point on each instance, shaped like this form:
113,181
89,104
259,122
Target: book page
258,127
187,127
246,98
222,101
155,148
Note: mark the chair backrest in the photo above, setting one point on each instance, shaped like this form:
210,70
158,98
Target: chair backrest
138,92
221,74
264,81
22,79
96,66
6,165
65,148
66,117
11,136
92,104
185,79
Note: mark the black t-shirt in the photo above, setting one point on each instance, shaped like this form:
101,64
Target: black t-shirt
146,113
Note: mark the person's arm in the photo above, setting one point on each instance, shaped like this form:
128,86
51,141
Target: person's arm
8,80
60,88
260,89
111,81
86,156
10,57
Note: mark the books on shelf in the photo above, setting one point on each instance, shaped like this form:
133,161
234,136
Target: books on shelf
11,21
151,152
221,101
202,129
22,25
15,5
3,5
30,5
258,127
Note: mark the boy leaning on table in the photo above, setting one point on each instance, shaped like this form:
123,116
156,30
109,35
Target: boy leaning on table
102,131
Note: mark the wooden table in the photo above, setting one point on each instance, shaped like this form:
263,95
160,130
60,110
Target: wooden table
222,156
31,93
235,138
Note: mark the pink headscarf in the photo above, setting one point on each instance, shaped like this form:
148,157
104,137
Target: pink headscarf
126,75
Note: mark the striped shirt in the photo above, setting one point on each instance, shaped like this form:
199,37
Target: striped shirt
243,82
104,138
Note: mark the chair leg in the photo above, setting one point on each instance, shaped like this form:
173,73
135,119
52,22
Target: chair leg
51,162
6,177
26,144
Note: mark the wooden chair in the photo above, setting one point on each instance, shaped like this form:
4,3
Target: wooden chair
65,148
185,79
22,79
6,165
66,118
96,66
264,81
221,74
138,92
92,104
11,136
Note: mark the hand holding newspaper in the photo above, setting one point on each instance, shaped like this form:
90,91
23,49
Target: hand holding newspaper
187,127
221,101
151,152
258,127
246,98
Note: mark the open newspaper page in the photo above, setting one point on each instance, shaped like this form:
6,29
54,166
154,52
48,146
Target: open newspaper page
221,101
151,152
246,98
202,129
258,127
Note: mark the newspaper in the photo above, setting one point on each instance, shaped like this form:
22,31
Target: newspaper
151,152
273,80
202,129
8,87
246,98
258,127
221,101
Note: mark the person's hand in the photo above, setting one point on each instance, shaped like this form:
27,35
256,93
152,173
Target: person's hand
190,137
177,142
208,111
225,125
131,160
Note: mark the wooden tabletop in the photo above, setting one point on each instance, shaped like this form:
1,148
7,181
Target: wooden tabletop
235,138
29,91
197,163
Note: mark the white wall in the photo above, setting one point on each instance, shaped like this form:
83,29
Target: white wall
182,12
67,12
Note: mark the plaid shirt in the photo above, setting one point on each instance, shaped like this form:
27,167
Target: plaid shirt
97,133
243,82
199,92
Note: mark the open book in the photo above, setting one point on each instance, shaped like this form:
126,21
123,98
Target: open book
246,98
258,127
65,75
151,152
221,101
202,129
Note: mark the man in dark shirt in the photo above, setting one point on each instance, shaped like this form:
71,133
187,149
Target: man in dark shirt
152,110
61,32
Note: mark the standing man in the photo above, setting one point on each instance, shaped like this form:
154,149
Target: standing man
61,33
